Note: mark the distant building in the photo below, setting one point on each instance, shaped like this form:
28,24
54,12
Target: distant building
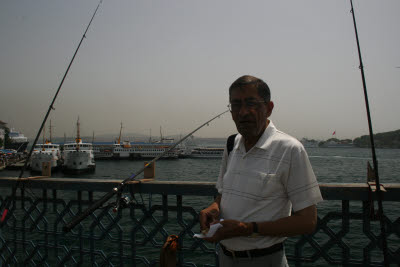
309,143
3,128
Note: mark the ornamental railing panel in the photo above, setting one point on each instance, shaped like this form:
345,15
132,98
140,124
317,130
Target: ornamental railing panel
347,234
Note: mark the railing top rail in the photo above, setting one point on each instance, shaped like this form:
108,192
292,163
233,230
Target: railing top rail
330,191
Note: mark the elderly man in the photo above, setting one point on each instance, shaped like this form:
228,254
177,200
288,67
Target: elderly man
265,176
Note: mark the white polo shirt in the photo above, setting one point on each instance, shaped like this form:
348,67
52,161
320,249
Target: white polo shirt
265,183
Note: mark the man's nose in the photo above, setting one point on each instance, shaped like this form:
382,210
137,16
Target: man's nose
243,110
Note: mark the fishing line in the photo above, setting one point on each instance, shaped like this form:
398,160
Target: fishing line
51,107
118,190
371,136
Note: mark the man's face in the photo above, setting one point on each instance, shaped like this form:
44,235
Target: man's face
249,111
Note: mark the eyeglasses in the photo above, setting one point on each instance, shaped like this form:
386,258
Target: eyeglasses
250,105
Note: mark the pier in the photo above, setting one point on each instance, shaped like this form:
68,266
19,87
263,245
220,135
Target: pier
347,233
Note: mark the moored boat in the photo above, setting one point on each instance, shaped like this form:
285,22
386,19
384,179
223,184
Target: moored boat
152,150
207,152
47,152
102,151
78,156
143,150
19,141
140,150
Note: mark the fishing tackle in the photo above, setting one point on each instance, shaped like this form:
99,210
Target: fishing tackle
118,190
51,107
371,136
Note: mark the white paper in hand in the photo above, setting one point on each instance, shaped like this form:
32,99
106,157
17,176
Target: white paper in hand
211,231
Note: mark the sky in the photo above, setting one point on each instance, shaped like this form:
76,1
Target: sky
169,64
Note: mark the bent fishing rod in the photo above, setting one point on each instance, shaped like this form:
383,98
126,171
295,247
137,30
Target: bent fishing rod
371,136
51,107
118,190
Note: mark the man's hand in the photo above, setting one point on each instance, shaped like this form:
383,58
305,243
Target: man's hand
230,228
208,216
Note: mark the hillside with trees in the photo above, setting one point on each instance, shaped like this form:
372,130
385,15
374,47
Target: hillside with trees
382,140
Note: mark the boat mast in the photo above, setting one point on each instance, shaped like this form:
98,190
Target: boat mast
50,132
44,139
150,136
120,132
78,134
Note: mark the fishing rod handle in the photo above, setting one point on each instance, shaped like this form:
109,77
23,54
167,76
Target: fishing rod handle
80,217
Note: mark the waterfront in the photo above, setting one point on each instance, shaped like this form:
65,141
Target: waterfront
330,166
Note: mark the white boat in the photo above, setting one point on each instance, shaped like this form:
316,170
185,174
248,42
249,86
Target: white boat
47,152
19,142
124,150
128,150
207,152
152,150
78,156
102,151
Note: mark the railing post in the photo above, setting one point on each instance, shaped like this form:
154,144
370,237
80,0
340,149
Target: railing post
345,230
180,219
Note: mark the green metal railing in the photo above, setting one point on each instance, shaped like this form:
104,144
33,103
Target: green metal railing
347,232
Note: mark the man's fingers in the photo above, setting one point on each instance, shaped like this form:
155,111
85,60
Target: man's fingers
204,220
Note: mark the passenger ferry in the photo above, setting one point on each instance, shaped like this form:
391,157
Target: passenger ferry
152,150
102,151
78,156
47,152
128,150
122,151
142,150
207,152
19,141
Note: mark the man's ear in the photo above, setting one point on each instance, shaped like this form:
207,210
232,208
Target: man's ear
270,107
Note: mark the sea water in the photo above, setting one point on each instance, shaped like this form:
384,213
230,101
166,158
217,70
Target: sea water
331,165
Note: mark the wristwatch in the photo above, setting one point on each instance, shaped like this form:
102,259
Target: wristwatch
255,230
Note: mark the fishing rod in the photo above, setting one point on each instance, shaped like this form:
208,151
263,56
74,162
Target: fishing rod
51,107
371,136
118,190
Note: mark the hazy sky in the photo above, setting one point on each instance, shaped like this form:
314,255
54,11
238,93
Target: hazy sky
170,63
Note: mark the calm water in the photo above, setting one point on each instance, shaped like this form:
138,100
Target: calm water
331,165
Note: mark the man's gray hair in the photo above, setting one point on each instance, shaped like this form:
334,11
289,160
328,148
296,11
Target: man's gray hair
262,87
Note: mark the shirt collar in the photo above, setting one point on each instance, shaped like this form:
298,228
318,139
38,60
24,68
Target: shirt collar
268,132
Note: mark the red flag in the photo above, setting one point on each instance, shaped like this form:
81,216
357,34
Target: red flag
334,133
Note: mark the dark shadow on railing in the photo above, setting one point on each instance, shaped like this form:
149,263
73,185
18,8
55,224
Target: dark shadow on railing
347,233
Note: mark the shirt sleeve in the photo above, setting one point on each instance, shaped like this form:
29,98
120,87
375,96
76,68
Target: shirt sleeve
222,171
302,186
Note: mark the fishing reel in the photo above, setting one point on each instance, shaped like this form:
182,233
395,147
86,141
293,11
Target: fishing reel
122,203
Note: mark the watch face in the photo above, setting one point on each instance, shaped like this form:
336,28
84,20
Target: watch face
255,227
254,235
